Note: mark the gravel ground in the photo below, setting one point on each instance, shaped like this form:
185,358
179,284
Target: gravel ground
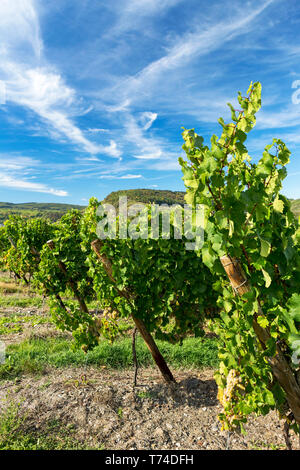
106,411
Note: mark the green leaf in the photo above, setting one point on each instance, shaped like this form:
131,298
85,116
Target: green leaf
294,307
227,305
262,321
265,247
278,205
267,277
231,227
208,257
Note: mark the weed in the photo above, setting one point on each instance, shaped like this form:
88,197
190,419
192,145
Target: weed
120,413
15,323
144,395
36,355
20,301
17,434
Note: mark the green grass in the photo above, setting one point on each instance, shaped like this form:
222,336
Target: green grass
19,301
15,323
52,211
15,433
34,356
260,445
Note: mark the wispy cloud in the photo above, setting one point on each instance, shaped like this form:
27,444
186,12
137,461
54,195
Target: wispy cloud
147,7
147,147
147,119
16,162
288,117
123,177
191,45
19,26
96,130
131,13
117,80
40,88
16,171
8,181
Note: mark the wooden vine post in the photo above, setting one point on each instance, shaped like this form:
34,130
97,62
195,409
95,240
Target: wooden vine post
140,325
135,362
70,281
279,365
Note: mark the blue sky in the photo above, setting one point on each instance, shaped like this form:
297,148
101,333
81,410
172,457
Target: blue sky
94,93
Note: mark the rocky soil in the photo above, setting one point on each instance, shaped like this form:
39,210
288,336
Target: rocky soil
104,410
107,412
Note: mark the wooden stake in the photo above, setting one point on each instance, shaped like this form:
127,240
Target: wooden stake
135,362
150,343
279,365
286,432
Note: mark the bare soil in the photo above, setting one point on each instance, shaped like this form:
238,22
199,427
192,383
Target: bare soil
43,330
106,411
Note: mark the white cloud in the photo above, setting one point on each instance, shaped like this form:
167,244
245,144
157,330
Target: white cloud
96,130
187,47
8,181
113,149
147,7
123,106
147,119
149,156
123,177
19,25
131,14
179,82
39,88
44,92
153,153
15,162
288,117
169,163
130,177
147,146
17,170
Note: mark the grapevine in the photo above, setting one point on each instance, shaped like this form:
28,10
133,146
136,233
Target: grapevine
250,235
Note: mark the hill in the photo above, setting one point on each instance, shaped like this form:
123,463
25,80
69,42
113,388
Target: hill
145,196
296,206
164,197
53,211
